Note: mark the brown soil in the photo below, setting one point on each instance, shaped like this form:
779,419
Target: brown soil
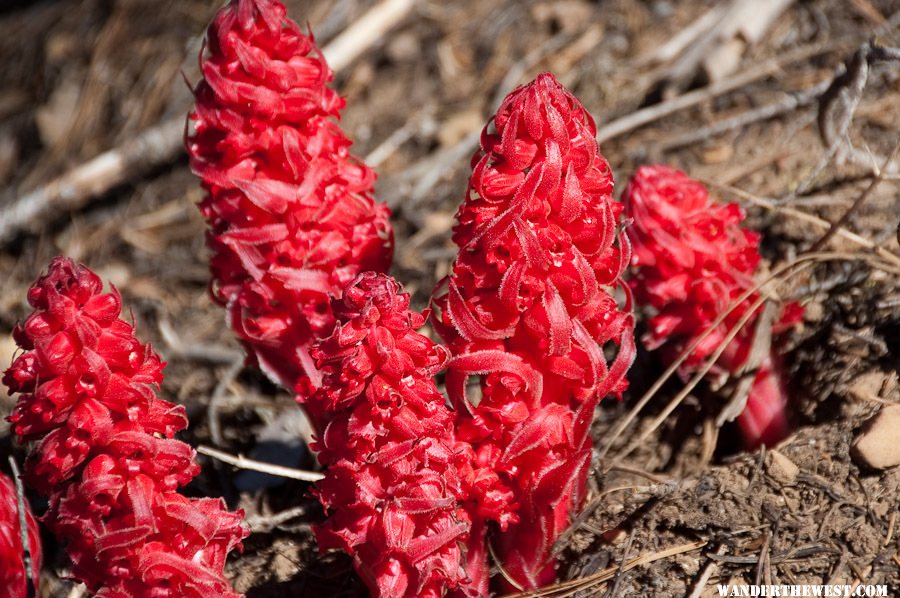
78,78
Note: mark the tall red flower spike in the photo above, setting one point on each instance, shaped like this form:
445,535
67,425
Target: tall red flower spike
291,213
12,564
693,261
105,452
528,308
394,474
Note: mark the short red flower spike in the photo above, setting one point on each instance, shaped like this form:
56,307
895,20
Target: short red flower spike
105,452
529,308
394,474
12,564
291,213
693,260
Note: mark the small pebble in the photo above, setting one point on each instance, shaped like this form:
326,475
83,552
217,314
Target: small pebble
877,445
780,468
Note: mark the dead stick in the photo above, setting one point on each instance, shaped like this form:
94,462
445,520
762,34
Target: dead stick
657,111
154,147
163,143
23,528
365,33
707,572
789,103
251,464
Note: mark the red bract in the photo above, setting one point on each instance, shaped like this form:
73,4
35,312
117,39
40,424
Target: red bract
393,480
529,308
291,214
693,261
105,451
12,565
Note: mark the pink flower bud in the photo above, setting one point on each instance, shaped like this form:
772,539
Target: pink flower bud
105,453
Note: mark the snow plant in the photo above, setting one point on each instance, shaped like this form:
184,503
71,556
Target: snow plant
291,212
103,449
529,307
394,474
692,261
12,563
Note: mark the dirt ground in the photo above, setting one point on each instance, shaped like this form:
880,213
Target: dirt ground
80,77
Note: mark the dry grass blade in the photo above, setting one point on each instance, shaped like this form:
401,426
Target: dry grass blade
840,222
569,588
266,523
683,393
799,264
498,562
789,103
814,220
891,264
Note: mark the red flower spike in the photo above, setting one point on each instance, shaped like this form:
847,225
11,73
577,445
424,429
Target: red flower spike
693,261
394,474
105,452
528,308
291,213
12,565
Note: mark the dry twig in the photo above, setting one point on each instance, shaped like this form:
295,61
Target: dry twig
244,463
716,49
366,32
212,353
617,580
215,401
707,572
764,69
265,523
837,107
789,103
163,143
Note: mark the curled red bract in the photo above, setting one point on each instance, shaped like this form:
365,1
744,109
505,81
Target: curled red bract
105,453
529,308
291,213
394,474
12,563
692,262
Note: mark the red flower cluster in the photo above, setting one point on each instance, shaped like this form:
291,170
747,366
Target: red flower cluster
106,455
394,474
290,209
12,565
529,308
693,261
